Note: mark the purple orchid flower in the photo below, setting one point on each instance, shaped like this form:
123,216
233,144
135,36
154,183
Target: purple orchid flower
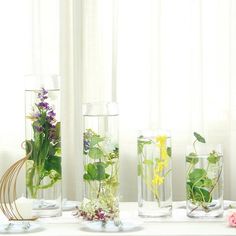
43,95
44,105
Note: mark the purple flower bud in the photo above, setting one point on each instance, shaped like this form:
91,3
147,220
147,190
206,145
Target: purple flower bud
49,118
86,146
38,129
42,95
52,126
52,113
44,91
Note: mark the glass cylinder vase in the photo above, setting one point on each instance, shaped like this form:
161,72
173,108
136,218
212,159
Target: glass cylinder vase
154,174
43,168
101,162
204,182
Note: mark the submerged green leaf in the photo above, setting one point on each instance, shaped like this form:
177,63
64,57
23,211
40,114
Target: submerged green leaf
202,195
169,151
96,171
141,144
196,175
208,183
213,157
197,194
95,153
100,168
53,163
95,139
192,158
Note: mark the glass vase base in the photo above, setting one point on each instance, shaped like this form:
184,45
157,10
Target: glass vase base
46,208
20,227
205,215
213,210
155,213
125,225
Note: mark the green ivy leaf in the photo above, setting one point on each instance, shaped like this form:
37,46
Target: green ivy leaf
199,183
87,177
197,194
213,158
208,183
100,169
96,171
199,138
192,158
95,153
141,144
201,195
196,175
95,139
169,151
53,163
91,171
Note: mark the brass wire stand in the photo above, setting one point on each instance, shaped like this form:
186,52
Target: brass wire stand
8,185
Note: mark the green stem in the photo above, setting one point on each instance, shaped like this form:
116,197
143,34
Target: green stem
194,146
218,178
100,184
190,169
167,173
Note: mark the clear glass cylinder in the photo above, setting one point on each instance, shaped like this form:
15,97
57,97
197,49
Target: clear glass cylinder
154,174
101,162
204,182
43,129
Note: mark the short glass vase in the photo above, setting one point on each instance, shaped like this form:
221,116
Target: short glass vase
154,174
204,182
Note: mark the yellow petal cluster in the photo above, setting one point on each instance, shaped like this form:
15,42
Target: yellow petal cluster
158,180
161,164
161,143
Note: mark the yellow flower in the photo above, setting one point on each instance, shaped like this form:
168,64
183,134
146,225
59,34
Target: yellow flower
158,180
161,143
161,165
161,139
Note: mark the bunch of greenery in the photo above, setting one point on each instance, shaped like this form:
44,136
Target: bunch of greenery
101,177
43,169
200,184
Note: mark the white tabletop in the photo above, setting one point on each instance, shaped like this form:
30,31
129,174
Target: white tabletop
178,224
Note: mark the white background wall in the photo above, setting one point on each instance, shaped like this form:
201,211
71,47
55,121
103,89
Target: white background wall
14,53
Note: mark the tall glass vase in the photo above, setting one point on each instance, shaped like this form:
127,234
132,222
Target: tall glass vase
154,174
101,162
43,168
